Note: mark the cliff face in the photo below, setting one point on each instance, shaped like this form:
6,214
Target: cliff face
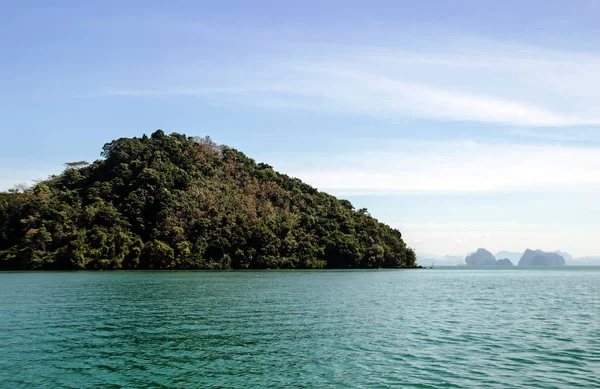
541,258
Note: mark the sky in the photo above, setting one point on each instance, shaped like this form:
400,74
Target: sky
464,124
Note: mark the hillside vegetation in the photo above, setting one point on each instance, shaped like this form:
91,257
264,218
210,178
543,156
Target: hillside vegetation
177,202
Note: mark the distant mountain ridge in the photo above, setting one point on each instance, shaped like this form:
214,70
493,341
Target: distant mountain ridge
512,255
585,261
426,259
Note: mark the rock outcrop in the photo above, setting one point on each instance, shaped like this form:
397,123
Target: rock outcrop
541,258
481,257
504,262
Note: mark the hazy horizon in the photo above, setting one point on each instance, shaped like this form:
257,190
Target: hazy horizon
464,125
462,256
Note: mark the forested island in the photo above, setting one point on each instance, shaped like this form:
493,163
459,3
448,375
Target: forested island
179,202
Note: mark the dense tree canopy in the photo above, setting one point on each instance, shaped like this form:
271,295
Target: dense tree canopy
177,202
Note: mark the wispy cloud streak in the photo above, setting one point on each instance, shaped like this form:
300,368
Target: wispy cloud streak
455,167
498,84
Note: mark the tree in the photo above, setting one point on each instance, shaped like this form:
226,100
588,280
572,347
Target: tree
76,165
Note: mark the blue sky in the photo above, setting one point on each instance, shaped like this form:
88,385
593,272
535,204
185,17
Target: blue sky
465,124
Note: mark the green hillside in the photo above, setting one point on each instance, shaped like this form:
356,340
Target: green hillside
177,202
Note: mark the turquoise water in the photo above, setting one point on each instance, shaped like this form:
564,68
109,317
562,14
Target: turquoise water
513,328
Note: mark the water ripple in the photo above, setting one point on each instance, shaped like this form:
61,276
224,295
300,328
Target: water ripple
329,329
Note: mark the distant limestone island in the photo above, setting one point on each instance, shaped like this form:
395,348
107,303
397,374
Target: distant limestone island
483,257
541,258
178,202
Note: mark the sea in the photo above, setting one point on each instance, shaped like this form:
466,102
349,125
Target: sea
453,327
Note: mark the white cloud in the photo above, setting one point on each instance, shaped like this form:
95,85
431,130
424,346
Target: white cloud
512,236
559,135
452,167
394,97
